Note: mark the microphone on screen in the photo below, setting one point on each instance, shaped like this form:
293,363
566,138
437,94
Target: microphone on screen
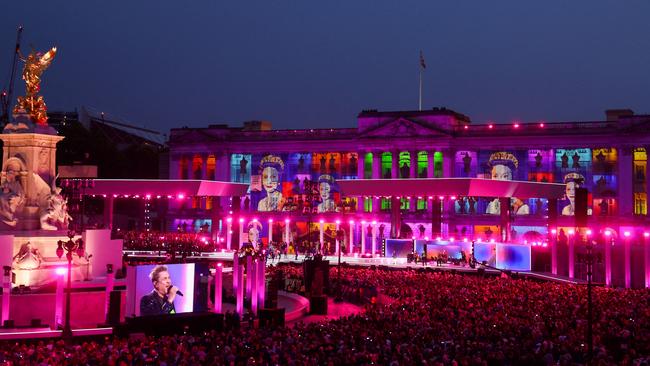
179,293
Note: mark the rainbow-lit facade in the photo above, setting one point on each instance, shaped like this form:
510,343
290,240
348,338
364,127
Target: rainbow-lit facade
607,157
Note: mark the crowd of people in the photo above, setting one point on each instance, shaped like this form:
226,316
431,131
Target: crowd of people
431,318
154,241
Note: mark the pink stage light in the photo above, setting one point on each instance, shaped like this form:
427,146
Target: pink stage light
438,238
588,232
466,127
464,240
351,222
254,219
453,197
490,126
426,238
270,220
286,221
158,196
338,222
219,264
491,240
441,197
516,125
241,220
321,221
545,245
451,240
363,222
541,125
627,234
571,232
229,219
61,271
645,235
374,222
608,233
553,231
479,240
413,238
180,196
430,197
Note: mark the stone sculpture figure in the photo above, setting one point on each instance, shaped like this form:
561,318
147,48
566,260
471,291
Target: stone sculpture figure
54,213
28,257
55,216
12,193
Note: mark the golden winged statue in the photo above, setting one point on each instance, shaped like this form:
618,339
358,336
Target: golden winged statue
32,103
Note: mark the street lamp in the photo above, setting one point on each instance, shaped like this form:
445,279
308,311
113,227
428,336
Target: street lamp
69,247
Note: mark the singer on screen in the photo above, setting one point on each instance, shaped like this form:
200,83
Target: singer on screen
161,299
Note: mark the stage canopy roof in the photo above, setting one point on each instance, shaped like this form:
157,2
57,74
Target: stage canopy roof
474,187
164,187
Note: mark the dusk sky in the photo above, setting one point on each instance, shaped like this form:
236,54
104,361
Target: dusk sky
304,64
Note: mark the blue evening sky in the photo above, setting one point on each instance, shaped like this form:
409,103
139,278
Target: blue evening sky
307,64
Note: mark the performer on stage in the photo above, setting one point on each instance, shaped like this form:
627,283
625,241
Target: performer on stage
161,299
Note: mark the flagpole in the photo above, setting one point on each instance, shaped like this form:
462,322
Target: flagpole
420,104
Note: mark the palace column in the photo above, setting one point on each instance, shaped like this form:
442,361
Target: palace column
609,240
395,217
376,174
394,166
413,173
413,168
361,168
430,164
436,217
447,163
447,172
271,232
625,195
627,250
204,166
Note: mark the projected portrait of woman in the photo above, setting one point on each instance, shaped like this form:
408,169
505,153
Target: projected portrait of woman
271,168
572,181
326,185
503,165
